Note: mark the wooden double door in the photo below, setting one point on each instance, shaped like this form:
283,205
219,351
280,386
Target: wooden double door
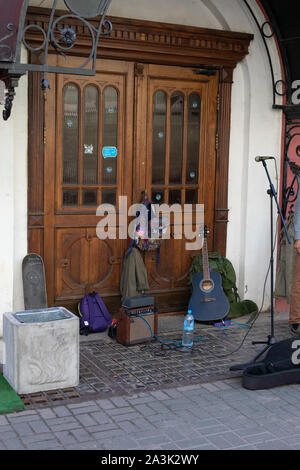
130,127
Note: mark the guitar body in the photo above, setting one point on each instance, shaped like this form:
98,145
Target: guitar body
208,302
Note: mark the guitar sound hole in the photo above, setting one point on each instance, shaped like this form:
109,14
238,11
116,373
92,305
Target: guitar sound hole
206,286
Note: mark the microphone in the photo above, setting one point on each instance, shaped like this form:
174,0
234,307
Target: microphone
262,159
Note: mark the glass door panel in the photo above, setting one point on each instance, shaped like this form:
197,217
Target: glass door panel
159,137
176,130
90,145
176,138
70,133
90,135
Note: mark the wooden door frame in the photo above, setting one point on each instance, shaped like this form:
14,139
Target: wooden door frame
142,42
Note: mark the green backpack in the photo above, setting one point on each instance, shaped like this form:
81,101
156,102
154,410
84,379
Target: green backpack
222,265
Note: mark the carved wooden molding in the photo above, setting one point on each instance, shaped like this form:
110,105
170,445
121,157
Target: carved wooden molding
156,42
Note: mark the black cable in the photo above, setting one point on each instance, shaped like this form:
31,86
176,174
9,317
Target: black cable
166,345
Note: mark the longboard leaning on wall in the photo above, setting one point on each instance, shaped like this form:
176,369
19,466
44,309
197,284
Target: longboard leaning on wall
34,285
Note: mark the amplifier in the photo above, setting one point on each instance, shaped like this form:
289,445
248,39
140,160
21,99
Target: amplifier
138,301
137,325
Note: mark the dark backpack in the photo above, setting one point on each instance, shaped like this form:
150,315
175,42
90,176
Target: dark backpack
94,316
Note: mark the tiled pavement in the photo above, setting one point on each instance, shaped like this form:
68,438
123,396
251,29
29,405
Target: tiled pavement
210,416
207,409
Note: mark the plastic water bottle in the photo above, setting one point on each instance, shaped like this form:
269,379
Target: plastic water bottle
188,330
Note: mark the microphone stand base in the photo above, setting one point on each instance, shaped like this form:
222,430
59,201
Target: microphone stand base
255,362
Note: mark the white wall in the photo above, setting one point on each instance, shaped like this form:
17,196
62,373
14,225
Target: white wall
13,202
255,130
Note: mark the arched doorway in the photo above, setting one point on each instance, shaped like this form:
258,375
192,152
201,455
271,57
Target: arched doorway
168,117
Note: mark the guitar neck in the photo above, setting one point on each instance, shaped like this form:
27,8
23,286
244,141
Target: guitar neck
206,273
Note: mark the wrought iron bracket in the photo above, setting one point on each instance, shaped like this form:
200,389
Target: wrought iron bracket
11,81
283,87
59,37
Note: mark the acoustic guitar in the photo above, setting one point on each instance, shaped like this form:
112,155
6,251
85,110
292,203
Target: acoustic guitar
208,301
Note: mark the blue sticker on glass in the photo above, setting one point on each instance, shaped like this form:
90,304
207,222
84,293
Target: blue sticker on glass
109,152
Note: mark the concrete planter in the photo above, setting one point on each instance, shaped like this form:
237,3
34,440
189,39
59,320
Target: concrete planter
41,350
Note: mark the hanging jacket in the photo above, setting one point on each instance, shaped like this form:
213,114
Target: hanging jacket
134,275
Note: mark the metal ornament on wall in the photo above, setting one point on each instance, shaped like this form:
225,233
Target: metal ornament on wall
283,91
268,30
59,37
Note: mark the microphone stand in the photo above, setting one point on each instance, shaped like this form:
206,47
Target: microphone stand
271,338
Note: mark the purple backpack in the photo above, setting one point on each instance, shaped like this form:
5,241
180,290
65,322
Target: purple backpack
94,316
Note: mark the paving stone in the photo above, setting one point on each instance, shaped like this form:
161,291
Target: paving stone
86,420
61,411
23,429
8,435
121,444
65,438
160,395
154,441
81,435
101,418
63,424
20,418
128,426
102,427
120,411
192,443
259,438
37,438
84,408
143,424
3,421
273,445
39,426
13,444
47,413
144,410
47,445
126,417
119,402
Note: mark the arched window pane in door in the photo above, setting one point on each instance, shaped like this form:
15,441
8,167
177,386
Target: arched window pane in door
109,134
90,135
176,138
159,137
193,143
70,133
